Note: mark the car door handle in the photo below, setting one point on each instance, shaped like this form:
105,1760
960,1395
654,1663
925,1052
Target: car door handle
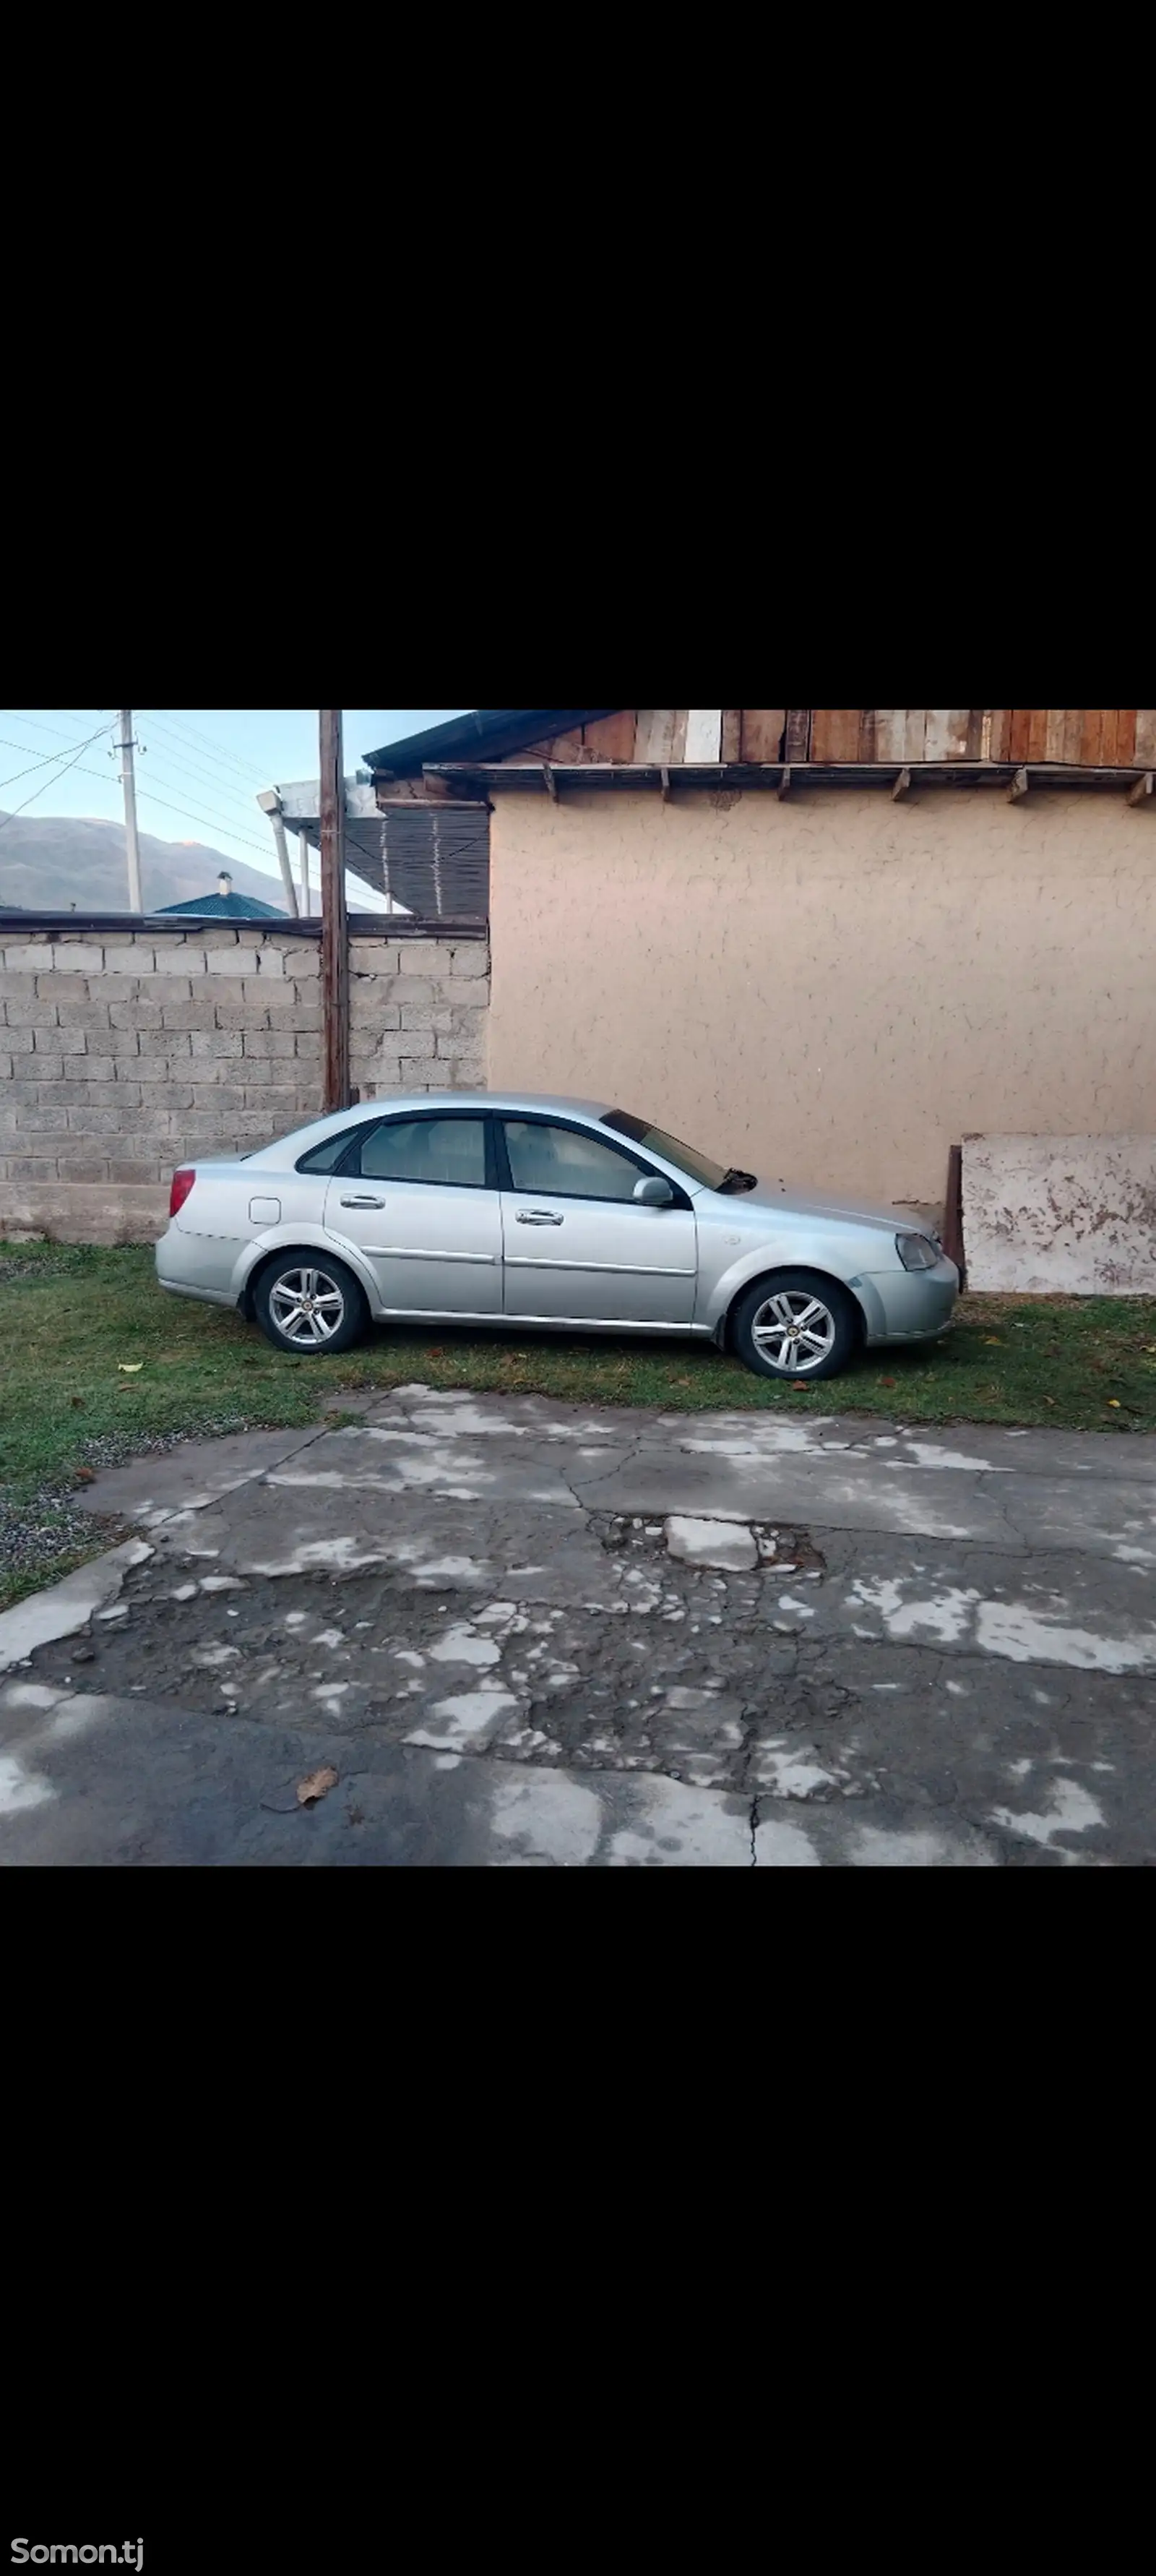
378,1203
537,1216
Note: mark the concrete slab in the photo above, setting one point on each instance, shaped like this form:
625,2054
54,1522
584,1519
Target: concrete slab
729,1546
1061,1215
67,1606
501,1679
193,1474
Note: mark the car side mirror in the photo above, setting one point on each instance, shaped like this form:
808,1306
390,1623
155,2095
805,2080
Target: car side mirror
653,1191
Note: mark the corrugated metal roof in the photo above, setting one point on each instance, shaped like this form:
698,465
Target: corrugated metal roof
228,907
486,732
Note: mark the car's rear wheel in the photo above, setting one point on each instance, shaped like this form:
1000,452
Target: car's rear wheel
796,1324
306,1303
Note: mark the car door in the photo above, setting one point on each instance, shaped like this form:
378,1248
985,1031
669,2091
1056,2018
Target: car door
418,1196
578,1248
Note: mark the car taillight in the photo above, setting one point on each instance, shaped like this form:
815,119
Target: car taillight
182,1184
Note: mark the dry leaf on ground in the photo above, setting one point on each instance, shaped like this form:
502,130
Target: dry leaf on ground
315,1786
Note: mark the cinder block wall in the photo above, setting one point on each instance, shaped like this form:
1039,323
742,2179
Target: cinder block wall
125,1052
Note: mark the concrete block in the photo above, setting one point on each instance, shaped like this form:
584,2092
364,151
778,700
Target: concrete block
19,1041
185,960
59,1041
80,1013
223,1098
102,1122
421,957
307,1043
44,1122
130,961
84,1168
134,1014
470,997
215,1042
472,958
1060,1215
121,1042
304,962
231,961
78,957
425,1019
421,1073
32,1014
267,1042
29,958
32,1167
71,1213
237,1015
41,1068
207,1072
270,965
217,934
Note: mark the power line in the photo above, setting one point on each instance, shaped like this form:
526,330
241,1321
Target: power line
64,735
227,790
44,762
49,782
218,749
195,760
188,813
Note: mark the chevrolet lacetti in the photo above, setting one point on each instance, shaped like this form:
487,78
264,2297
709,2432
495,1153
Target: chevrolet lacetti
516,1210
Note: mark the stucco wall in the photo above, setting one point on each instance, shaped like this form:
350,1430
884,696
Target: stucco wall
124,1053
833,987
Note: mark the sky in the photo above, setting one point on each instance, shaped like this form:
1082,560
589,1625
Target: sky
199,771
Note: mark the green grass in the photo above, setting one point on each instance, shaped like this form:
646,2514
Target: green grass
76,1319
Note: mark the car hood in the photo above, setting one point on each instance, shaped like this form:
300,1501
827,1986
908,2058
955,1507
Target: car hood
780,1196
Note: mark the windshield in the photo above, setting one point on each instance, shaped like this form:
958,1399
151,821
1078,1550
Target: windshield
685,1158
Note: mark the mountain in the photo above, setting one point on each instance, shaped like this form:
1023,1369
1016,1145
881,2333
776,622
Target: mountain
49,863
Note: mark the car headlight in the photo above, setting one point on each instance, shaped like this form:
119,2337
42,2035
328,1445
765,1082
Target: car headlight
915,1252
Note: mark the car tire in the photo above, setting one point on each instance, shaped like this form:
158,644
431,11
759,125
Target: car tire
761,1327
288,1287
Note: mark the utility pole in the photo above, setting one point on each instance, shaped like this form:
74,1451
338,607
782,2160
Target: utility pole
334,926
126,747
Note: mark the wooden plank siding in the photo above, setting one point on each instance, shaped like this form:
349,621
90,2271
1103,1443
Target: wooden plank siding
835,733
761,733
1074,737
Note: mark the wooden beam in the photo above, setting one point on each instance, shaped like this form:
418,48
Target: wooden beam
1019,786
1143,788
666,786
902,786
334,923
551,782
785,783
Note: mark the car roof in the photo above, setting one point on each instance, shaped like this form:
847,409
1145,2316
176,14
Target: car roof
557,1102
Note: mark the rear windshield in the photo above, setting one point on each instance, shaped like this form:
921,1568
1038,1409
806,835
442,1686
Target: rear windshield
685,1158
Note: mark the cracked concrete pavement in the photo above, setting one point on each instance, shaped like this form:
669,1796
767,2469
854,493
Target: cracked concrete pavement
526,1634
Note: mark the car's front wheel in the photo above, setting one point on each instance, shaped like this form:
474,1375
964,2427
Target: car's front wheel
306,1303
796,1324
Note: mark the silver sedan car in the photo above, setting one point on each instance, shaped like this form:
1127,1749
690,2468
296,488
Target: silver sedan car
483,1208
